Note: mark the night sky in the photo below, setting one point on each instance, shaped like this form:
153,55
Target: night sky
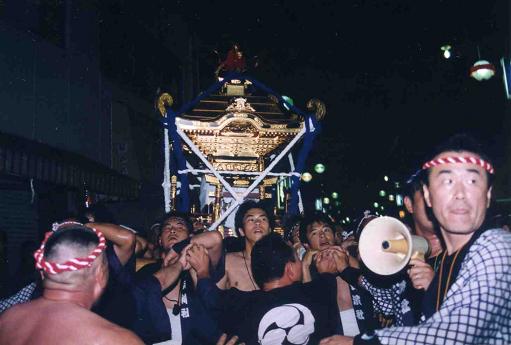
377,65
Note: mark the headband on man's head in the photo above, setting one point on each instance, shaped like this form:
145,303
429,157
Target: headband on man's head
72,264
56,226
460,159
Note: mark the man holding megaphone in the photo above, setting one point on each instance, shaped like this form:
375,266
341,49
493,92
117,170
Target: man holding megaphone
470,295
421,272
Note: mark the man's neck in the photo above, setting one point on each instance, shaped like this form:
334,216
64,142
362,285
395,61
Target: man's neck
455,242
278,283
80,298
248,248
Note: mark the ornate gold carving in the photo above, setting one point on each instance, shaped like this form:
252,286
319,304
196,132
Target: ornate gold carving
239,129
240,105
270,181
218,198
173,192
212,179
235,166
239,140
262,191
165,99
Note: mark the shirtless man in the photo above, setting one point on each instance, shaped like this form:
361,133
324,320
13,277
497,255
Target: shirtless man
62,315
253,222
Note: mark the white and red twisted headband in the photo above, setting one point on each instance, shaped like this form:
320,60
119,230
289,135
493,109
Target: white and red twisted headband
72,264
460,159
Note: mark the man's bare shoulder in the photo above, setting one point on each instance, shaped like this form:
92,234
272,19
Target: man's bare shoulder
113,334
94,328
56,323
233,257
19,311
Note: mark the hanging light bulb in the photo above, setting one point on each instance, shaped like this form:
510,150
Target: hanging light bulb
447,50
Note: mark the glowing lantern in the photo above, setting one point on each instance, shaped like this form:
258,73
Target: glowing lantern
306,177
482,70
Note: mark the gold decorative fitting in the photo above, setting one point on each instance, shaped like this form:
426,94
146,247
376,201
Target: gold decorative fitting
243,183
165,100
235,166
318,107
240,105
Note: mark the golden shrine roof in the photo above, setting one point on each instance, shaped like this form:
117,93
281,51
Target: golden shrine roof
241,134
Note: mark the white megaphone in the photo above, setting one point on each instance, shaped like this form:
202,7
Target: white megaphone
386,245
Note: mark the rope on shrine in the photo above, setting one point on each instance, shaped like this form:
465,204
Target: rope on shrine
228,172
313,127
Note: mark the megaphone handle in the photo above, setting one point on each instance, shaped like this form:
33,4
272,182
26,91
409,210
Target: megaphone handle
418,255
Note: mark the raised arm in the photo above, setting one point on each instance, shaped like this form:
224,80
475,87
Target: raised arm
212,241
123,239
197,257
140,245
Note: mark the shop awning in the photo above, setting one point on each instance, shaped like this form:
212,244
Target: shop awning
28,159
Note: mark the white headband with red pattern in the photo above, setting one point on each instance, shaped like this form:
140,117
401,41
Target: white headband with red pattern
460,159
72,264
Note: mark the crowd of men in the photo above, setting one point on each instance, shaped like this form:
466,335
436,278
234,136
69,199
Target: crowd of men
308,287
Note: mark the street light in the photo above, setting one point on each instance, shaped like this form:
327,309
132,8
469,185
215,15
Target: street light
335,195
306,177
319,168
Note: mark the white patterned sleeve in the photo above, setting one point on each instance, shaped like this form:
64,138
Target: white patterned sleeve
477,308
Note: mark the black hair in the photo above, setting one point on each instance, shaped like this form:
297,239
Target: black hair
308,220
413,184
76,235
248,205
269,258
458,143
175,214
362,223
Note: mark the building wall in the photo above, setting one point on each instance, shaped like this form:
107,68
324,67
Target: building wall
53,94
18,214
